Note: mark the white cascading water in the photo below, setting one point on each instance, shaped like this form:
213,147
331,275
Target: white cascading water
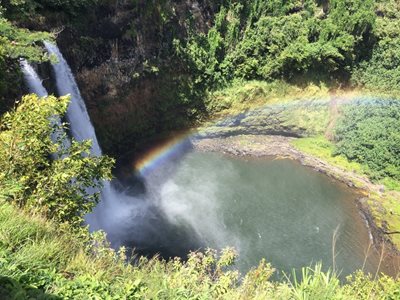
32,79
77,115
115,209
35,86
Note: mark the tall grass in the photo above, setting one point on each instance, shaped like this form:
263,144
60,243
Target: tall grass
244,95
38,259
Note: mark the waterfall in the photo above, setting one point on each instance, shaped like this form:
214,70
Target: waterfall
77,115
35,86
32,79
139,220
115,208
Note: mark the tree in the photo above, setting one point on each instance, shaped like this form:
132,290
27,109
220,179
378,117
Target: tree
278,39
63,188
368,132
16,43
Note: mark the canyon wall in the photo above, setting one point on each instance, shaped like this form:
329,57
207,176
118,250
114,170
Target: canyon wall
123,56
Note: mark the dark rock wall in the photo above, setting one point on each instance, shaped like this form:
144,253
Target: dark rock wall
123,57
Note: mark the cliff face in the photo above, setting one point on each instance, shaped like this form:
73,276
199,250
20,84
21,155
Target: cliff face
123,57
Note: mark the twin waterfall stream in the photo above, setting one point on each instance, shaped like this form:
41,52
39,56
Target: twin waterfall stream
264,208
81,129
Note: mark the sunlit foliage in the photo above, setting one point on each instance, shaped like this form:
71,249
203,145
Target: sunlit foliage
368,133
381,71
281,39
30,171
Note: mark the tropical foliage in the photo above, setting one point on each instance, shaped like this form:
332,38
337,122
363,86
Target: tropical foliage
281,39
40,170
47,184
17,43
37,261
381,71
368,133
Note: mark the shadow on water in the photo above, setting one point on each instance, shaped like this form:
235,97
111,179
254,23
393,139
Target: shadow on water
163,238
156,235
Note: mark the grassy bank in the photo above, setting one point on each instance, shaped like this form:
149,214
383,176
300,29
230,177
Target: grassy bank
324,149
244,95
40,261
320,147
383,198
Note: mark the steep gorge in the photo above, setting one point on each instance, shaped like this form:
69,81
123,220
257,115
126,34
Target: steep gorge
144,67
124,62
151,67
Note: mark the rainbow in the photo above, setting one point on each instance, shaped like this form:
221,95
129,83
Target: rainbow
174,146
162,153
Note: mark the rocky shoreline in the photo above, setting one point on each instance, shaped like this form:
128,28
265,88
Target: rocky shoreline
280,147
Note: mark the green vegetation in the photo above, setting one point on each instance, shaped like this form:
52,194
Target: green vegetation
320,147
17,43
182,58
365,142
31,177
368,132
328,151
281,39
382,69
254,53
245,95
385,209
39,262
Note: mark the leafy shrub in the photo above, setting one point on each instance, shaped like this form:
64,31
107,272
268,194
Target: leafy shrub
280,39
16,42
61,188
381,71
368,133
